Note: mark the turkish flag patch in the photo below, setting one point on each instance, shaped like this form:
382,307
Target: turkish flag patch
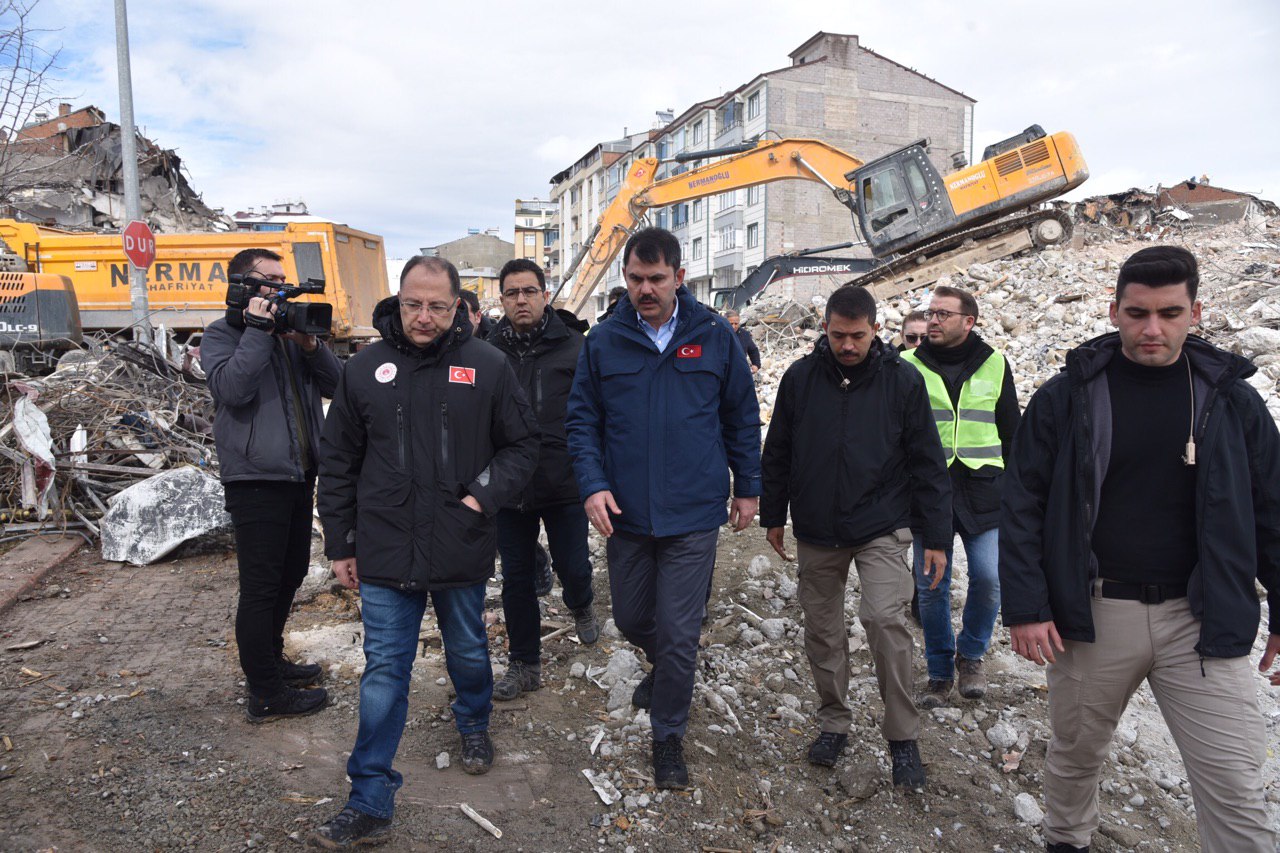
689,351
463,375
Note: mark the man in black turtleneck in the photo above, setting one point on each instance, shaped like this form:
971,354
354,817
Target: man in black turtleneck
1141,508
975,405
851,451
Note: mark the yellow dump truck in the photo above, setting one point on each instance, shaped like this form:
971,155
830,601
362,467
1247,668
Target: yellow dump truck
187,285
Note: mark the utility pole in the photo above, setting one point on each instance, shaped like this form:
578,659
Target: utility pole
129,154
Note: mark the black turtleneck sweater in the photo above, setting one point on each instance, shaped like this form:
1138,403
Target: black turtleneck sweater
1146,526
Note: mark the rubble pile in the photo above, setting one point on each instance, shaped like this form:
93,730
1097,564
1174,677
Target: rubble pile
1037,306
110,418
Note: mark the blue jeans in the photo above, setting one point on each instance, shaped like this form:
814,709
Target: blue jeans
981,605
391,623
517,542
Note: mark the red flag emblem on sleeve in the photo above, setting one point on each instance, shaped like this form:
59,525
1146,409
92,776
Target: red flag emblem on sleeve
463,375
689,351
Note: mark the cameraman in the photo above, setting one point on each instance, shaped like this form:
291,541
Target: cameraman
267,388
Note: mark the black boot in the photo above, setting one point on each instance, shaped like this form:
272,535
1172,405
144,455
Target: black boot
287,703
908,772
298,674
349,828
669,770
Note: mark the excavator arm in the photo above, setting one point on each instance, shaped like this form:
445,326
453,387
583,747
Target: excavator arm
769,160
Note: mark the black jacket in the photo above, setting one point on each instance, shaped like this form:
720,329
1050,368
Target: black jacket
255,426
1055,475
749,346
410,432
852,462
975,495
545,372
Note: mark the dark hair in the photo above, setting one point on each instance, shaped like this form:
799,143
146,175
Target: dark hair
653,245
247,259
916,317
434,264
968,305
472,300
617,293
852,303
1159,266
521,265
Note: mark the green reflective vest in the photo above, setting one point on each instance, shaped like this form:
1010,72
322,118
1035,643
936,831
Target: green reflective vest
968,431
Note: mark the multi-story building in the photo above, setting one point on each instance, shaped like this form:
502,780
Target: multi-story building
535,230
478,257
834,90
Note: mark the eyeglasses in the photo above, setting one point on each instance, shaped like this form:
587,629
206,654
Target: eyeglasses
913,339
435,309
516,292
943,316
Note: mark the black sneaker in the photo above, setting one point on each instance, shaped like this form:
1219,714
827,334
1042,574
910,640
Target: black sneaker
908,772
289,703
643,695
542,576
349,828
1064,847
827,749
477,753
584,622
299,674
668,763
520,677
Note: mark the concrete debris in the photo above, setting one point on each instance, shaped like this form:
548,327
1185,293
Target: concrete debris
111,415
149,519
73,179
1027,810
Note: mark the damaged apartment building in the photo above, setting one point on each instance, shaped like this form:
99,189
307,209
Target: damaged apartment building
834,90
65,171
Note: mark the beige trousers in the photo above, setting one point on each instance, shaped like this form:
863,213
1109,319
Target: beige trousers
884,568
1209,704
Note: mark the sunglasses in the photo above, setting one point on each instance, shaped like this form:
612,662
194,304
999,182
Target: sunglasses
913,339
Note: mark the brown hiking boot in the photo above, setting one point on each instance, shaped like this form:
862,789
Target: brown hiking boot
935,695
973,683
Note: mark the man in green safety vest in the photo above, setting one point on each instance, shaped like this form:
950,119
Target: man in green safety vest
975,405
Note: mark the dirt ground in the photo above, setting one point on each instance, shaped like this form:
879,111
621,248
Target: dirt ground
123,731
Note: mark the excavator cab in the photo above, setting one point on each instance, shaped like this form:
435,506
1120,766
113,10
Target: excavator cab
899,200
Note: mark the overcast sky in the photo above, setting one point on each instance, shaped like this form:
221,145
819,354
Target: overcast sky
419,120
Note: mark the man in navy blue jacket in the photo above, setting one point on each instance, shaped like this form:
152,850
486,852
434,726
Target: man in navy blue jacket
662,408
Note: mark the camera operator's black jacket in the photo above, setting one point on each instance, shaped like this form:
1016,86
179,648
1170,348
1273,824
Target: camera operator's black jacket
411,431
545,369
1054,479
853,457
255,428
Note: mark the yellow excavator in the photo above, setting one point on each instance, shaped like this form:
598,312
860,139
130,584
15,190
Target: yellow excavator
916,222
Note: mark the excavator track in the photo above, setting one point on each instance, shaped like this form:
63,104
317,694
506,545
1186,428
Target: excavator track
994,240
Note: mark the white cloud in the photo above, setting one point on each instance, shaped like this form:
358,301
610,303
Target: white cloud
418,121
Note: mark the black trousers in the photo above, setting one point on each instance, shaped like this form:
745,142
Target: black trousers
272,520
659,588
517,542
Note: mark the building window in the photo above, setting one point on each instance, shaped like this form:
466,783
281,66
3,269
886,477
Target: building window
697,132
724,201
728,239
753,195
679,215
697,248
753,105
697,210
664,149
531,240
753,235
574,194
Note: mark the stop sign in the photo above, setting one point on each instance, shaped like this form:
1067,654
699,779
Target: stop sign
139,244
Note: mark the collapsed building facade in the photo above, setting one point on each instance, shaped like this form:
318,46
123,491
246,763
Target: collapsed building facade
66,171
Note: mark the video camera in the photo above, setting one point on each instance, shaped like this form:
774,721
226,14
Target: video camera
309,318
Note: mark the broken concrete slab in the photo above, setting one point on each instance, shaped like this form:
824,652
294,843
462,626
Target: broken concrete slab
149,519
